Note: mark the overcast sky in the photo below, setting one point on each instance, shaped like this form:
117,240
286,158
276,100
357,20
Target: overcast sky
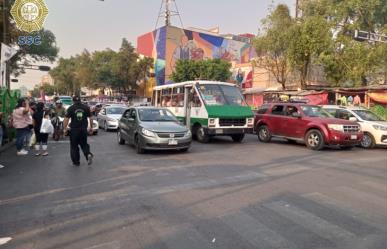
96,24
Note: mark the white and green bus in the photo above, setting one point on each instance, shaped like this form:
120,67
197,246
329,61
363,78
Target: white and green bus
210,108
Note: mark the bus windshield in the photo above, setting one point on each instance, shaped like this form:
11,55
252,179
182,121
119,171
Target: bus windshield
213,94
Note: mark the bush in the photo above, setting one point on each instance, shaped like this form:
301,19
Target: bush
380,111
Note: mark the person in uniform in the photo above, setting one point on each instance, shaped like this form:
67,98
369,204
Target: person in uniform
80,125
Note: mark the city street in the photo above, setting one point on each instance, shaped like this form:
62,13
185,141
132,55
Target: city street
218,195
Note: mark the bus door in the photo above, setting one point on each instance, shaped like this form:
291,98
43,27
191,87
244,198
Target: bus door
188,95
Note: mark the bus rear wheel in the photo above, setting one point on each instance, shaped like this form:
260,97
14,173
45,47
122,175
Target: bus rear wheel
238,138
201,135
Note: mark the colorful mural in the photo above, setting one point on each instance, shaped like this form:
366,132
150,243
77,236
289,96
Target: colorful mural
169,44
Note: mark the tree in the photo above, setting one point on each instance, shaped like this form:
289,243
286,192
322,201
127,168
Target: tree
211,69
143,66
124,67
272,46
64,76
85,72
350,61
310,39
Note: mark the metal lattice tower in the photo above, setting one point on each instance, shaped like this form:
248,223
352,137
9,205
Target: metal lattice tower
168,10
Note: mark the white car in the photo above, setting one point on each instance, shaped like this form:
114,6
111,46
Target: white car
95,127
109,115
374,127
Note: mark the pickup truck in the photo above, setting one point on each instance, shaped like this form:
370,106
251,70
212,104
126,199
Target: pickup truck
305,123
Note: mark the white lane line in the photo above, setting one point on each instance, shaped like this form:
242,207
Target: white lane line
254,232
310,221
5,240
111,245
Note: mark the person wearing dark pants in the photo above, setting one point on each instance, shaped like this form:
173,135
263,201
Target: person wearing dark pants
78,138
80,125
41,138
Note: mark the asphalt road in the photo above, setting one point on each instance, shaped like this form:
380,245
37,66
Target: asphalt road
218,195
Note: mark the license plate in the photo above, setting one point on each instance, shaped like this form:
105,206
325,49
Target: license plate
172,142
353,137
219,131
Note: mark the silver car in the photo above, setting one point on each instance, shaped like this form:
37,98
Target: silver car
151,128
109,115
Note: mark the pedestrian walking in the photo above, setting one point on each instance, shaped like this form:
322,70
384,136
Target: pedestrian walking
41,138
21,121
80,125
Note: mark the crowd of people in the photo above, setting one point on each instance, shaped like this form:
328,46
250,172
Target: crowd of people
27,119
33,125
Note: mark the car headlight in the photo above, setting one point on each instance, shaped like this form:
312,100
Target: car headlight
380,127
147,133
250,121
336,127
188,133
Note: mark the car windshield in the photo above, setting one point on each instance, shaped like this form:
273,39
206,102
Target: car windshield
221,95
368,115
115,110
315,111
156,115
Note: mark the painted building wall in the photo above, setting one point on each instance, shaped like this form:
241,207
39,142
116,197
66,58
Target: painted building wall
170,44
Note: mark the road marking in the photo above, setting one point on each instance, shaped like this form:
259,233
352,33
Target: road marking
111,245
313,223
5,240
254,232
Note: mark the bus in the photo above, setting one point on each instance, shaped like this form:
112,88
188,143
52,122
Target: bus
209,108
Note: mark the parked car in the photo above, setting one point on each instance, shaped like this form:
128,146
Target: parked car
108,117
151,128
373,126
305,123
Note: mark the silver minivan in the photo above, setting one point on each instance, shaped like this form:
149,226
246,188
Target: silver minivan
153,128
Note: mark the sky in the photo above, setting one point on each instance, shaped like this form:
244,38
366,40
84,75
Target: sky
97,25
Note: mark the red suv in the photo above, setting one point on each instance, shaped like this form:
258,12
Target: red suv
305,123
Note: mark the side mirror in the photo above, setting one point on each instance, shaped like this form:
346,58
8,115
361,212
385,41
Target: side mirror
353,119
296,115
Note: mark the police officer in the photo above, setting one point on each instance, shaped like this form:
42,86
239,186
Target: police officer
80,124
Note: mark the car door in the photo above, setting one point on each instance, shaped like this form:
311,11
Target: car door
294,124
123,124
132,125
275,119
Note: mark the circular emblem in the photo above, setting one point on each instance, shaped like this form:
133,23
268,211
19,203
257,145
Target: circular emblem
29,15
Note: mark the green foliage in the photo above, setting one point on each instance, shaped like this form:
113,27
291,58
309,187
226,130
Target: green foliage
102,69
272,46
212,69
347,60
380,111
310,39
47,88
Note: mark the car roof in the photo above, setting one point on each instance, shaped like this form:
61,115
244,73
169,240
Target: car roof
352,108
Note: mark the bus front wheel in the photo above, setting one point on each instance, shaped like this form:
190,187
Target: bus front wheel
201,135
